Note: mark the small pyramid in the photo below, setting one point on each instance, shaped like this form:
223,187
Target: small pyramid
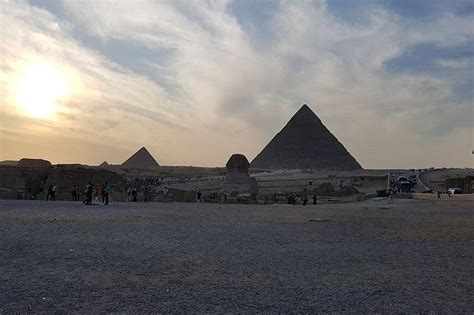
104,164
141,159
305,143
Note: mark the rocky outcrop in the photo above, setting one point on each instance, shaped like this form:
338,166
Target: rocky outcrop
305,143
25,162
237,180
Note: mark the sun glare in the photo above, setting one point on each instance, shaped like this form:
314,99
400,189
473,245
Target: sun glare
39,88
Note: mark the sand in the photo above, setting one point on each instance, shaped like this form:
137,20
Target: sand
360,257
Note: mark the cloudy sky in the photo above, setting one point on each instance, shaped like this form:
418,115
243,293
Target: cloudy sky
195,81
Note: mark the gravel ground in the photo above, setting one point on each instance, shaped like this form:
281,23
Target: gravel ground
360,257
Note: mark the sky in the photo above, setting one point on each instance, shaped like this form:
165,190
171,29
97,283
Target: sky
196,81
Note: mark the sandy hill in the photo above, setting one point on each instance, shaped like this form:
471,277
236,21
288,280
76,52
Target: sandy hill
305,143
141,159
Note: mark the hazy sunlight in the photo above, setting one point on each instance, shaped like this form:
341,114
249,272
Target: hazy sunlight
38,89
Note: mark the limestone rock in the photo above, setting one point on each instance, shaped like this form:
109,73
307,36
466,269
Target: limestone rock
305,143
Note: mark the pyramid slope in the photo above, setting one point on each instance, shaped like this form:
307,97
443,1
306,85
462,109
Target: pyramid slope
305,143
104,164
141,159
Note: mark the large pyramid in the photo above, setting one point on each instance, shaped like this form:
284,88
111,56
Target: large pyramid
141,159
305,143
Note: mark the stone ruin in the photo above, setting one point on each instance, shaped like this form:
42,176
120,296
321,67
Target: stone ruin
237,181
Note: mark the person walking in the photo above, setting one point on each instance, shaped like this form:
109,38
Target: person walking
107,191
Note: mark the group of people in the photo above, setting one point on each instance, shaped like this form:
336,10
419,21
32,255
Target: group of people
105,192
132,193
292,198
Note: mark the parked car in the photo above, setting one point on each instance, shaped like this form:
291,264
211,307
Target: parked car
455,191
402,179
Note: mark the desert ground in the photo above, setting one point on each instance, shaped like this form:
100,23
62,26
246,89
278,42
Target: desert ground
368,256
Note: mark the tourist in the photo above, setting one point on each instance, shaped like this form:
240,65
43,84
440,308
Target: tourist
304,197
145,194
89,189
50,192
129,193
74,193
199,194
391,193
107,190
165,193
315,199
134,194
102,192
53,192
439,195
96,195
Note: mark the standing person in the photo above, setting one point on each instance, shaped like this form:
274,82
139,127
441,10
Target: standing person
102,192
89,189
304,197
391,192
74,193
199,195
145,194
50,192
96,195
107,191
78,193
53,192
129,193
134,194
439,195
165,193
315,199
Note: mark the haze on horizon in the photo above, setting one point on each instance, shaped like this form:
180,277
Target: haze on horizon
195,81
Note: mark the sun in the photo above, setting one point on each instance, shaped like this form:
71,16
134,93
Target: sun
39,88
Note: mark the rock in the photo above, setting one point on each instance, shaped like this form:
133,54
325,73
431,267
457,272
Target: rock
237,180
25,162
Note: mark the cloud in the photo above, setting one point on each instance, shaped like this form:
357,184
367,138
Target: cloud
199,80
